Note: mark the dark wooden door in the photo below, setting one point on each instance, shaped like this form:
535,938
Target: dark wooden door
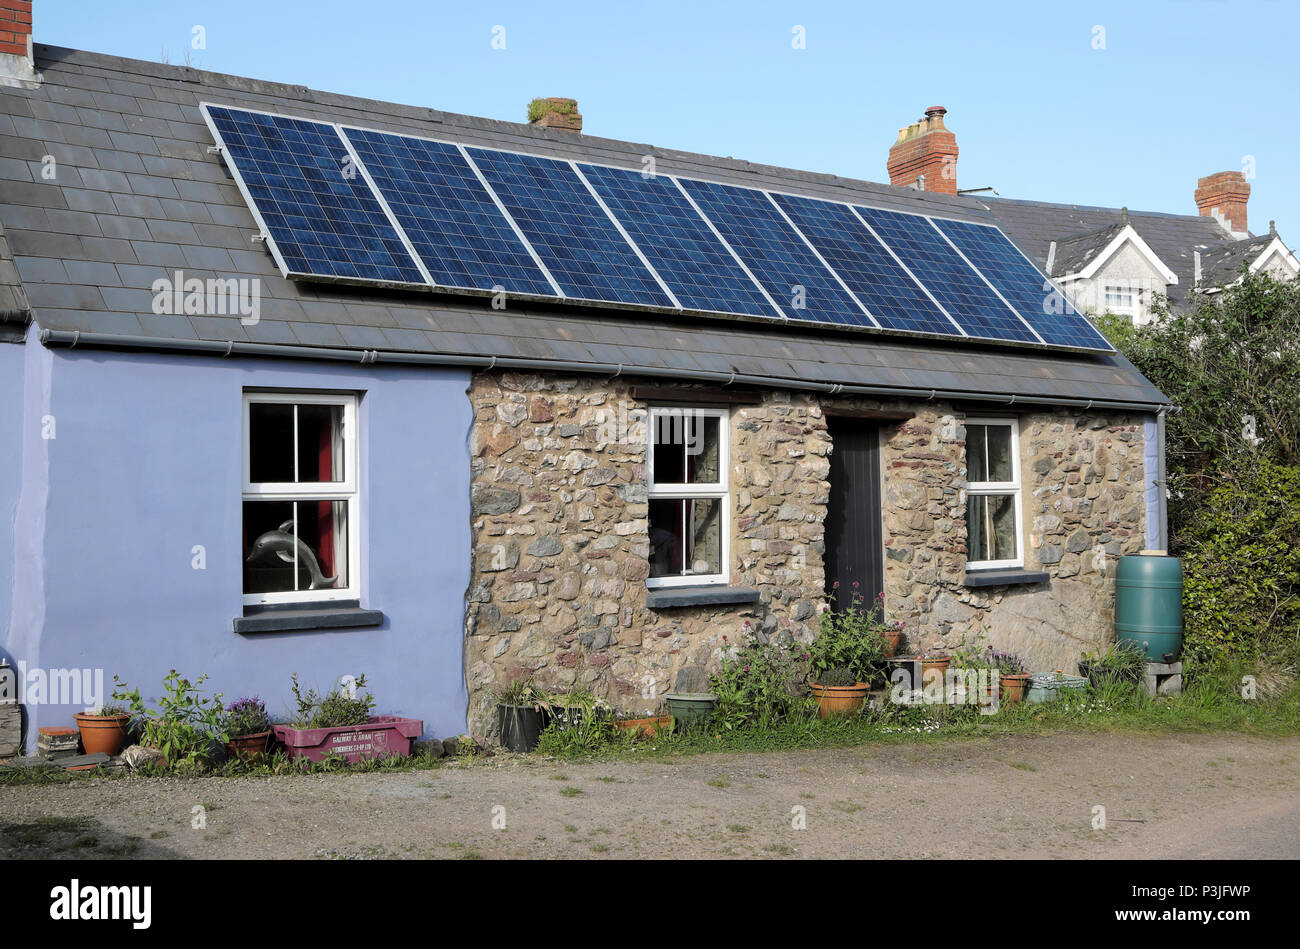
853,524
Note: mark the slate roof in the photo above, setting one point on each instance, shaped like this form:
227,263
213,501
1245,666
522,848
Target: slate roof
1075,253
1222,265
138,195
1174,238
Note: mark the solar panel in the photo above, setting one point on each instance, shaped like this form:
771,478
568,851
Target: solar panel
461,236
1041,304
871,272
320,214
687,254
788,269
569,229
956,286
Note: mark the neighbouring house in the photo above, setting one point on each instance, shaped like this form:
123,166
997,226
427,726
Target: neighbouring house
300,382
1110,260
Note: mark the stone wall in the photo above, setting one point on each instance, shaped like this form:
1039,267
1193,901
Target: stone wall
561,539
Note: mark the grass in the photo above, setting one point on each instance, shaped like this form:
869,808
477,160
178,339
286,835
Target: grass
570,791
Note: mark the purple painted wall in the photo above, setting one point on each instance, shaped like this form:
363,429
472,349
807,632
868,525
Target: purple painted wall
146,465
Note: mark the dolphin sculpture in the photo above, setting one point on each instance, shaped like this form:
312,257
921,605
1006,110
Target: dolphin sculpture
283,544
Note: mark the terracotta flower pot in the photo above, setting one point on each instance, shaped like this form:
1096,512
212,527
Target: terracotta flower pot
645,727
1013,686
940,664
891,642
837,700
106,733
248,747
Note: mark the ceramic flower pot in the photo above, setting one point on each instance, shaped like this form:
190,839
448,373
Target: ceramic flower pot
891,642
248,748
106,733
690,708
939,663
1013,686
834,701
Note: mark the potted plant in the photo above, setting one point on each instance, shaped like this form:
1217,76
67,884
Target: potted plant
523,711
844,659
104,729
1013,676
340,723
248,728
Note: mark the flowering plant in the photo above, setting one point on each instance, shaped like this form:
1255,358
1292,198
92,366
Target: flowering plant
851,640
247,716
759,682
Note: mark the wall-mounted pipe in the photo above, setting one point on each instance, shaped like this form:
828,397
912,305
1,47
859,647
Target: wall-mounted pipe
378,357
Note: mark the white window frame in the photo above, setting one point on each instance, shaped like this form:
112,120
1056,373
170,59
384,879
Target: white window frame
986,488
720,490
345,490
1133,310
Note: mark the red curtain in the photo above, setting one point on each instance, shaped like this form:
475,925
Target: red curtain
325,509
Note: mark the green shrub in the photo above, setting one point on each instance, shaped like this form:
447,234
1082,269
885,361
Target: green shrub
186,724
850,639
759,684
1241,561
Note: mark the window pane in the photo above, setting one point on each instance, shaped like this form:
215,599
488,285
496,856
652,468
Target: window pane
687,447
295,545
270,441
320,443
988,453
991,527
685,537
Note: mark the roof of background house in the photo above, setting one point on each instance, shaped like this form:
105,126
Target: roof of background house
1174,238
1222,265
138,195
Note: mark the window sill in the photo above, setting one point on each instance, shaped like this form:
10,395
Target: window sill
666,597
289,617
1015,576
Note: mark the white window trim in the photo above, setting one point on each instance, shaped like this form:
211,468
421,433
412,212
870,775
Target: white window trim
345,490
721,490
1133,311
1013,487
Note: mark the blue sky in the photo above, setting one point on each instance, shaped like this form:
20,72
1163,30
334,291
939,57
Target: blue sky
1179,88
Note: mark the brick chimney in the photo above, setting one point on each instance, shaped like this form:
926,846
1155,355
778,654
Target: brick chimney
16,65
925,155
1224,196
553,113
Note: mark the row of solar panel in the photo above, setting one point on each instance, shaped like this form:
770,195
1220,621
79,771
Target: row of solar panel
357,204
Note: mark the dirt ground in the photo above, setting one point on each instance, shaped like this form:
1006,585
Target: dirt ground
1218,795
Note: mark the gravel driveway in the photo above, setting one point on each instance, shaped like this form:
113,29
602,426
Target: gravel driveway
1216,795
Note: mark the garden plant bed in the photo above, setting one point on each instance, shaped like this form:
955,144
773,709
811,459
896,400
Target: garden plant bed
381,735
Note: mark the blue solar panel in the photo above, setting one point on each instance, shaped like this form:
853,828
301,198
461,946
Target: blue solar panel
697,266
567,227
1024,287
870,271
454,225
323,221
952,281
775,253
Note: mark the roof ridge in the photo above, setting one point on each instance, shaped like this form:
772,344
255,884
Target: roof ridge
386,110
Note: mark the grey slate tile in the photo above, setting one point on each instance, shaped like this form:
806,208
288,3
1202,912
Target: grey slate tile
316,334
64,296
128,228
90,272
137,205
177,232
112,160
41,270
168,327
128,300
154,252
96,202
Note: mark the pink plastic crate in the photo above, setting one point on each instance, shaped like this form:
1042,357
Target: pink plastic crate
382,735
